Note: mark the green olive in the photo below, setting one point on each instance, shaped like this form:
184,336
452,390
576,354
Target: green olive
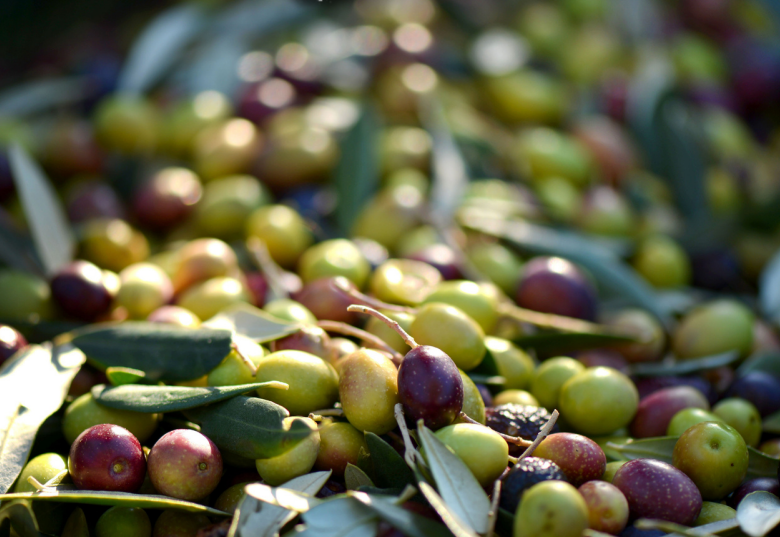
336,257
387,334
290,310
293,463
85,412
227,203
483,451
404,281
473,404
283,231
514,364
451,330
313,383
208,298
478,300
368,390
42,468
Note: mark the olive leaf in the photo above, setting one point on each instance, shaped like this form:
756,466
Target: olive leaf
33,385
568,341
153,399
408,522
384,465
340,517
162,351
249,427
18,251
356,478
448,516
290,500
356,177
662,447
771,424
76,526
768,362
683,367
159,46
67,494
673,529
610,272
254,518
769,289
252,323
39,95
119,376
758,513
45,215
21,517
455,482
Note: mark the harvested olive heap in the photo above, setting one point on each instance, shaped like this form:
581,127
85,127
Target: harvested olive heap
397,268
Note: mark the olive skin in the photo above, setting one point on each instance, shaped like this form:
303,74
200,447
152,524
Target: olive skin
656,489
85,412
714,327
599,400
555,285
607,507
657,409
481,449
10,342
120,521
43,467
340,444
292,463
580,458
80,290
451,330
768,484
551,509
313,383
430,387
185,464
368,390
107,457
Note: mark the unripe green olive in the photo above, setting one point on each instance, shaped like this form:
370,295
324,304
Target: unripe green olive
127,124
226,148
551,509
404,281
526,96
516,397
404,147
451,330
368,390
340,444
144,288
514,364
550,376
290,310
293,463
498,263
233,370
208,298
113,244
473,404
226,204
482,449
336,257
313,383
43,468
189,117
477,300
24,295
546,152
712,328
599,401
284,232
85,412
390,215
662,262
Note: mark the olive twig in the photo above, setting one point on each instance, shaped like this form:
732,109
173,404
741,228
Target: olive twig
516,440
367,337
409,451
57,479
539,437
272,272
252,367
370,300
409,340
406,494
493,513
559,322
327,412
35,483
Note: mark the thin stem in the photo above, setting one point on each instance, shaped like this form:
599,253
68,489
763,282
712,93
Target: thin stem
367,337
409,340
493,513
327,412
559,322
406,494
371,301
252,367
539,437
409,451
57,479
516,440
273,273
35,483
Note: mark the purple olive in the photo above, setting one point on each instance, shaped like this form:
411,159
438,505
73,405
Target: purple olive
10,342
80,291
107,457
760,388
555,285
768,484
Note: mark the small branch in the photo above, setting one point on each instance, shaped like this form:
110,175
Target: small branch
541,436
409,451
366,337
409,340
406,494
252,367
559,322
273,273
57,479
516,440
328,412
493,513
371,301
35,483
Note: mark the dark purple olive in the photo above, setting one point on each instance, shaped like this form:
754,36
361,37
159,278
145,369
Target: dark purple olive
555,285
10,342
326,300
484,392
261,100
648,385
107,457
430,387
258,287
717,270
80,291
603,357
93,199
768,484
167,198
311,339
760,388
443,258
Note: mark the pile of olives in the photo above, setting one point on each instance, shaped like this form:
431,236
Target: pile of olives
524,363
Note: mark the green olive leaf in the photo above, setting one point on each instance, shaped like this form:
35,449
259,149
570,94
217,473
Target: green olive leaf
340,517
256,518
769,289
162,351
384,465
455,482
662,447
23,409
568,341
119,376
249,427
356,478
252,323
683,367
153,399
36,96
408,522
21,517
768,362
448,516
758,513
76,526
67,494
45,215
356,177
290,500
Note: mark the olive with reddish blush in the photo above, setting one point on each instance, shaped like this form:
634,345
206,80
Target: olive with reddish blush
107,457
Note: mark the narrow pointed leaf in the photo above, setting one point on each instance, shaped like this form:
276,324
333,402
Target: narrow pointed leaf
340,517
356,478
291,500
50,228
249,427
76,526
684,367
567,341
758,513
252,323
257,519
448,516
406,521
119,376
33,385
357,174
66,494
455,482
768,362
22,518
39,95
769,289
164,352
159,46
384,465
152,399
17,249
761,465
